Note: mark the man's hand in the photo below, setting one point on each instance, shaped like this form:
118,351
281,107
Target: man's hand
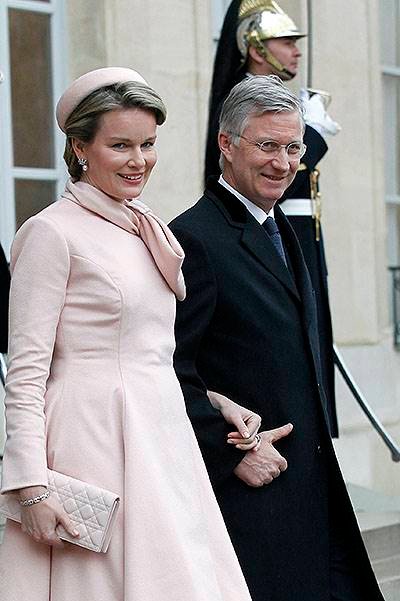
262,466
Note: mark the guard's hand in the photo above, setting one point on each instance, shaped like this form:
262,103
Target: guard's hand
261,467
246,422
40,521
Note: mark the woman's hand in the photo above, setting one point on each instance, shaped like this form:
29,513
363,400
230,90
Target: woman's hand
246,422
40,521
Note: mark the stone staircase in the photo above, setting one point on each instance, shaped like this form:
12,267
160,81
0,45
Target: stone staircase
379,519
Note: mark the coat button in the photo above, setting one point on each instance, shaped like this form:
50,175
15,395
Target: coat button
319,449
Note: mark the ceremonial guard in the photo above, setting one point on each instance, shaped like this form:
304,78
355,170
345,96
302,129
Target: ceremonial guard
259,38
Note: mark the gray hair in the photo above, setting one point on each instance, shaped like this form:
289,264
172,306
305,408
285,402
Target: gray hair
83,123
254,96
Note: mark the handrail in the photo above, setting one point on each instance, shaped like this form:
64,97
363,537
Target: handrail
387,439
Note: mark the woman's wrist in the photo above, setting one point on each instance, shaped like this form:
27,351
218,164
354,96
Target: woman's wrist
219,401
30,492
35,500
214,399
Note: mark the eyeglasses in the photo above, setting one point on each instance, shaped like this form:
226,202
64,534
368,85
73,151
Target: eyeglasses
294,150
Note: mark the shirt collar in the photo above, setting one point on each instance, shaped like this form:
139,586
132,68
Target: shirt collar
256,211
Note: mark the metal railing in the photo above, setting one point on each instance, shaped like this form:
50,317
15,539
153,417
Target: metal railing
395,271
357,394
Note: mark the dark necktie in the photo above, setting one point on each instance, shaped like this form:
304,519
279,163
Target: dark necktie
272,229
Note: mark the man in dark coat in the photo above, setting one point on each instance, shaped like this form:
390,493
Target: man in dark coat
259,38
248,331
4,293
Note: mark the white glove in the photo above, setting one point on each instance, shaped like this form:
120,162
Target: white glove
316,115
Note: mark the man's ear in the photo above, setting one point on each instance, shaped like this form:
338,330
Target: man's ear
225,145
255,56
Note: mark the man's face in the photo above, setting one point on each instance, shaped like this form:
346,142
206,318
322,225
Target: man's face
285,50
248,169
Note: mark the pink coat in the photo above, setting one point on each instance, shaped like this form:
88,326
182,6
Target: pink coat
92,393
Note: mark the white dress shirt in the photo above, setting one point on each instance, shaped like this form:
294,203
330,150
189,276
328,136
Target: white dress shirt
259,214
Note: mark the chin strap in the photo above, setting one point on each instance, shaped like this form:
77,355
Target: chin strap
255,41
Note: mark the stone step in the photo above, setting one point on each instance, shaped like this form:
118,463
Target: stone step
372,501
381,534
391,589
387,569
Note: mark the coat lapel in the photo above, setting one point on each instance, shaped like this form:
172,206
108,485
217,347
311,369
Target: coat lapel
254,239
302,276
257,242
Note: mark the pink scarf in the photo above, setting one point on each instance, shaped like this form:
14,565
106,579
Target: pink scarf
136,218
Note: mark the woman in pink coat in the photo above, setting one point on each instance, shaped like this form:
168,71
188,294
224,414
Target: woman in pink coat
91,390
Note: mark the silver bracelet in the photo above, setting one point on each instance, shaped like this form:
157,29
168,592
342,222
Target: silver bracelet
34,500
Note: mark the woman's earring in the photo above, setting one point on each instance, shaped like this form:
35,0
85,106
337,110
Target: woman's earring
83,164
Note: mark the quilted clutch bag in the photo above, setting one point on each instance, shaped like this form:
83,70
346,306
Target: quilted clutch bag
91,509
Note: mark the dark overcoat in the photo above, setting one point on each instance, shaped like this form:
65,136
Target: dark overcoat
225,77
314,255
229,69
248,330
4,294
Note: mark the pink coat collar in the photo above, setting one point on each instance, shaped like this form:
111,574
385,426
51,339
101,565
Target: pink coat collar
138,219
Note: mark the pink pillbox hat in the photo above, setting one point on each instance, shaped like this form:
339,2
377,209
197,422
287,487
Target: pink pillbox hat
88,83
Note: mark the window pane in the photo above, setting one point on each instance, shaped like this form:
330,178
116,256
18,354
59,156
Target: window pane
31,89
392,124
31,197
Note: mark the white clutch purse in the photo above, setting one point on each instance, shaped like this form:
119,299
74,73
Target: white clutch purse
91,509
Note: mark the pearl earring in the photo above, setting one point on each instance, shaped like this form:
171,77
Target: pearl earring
83,164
